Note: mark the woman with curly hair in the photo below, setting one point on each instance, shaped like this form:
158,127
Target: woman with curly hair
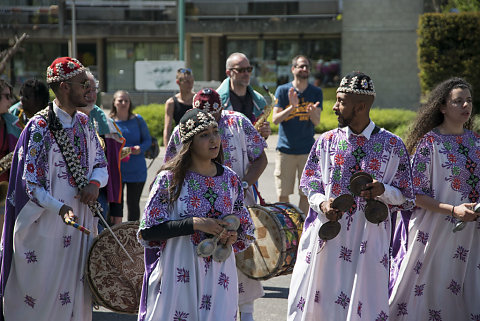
189,199
439,277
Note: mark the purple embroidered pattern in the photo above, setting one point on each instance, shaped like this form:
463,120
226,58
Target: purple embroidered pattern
183,275
382,317
363,247
417,267
30,257
64,298
345,254
451,219
422,237
206,302
434,315
348,155
30,301
359,309
67,240
343,300
42,140
384,261
301,304
209,194
321,242
223,280
402,309
461,254
308,257
180,316
419,289
475,317
454,287
240,288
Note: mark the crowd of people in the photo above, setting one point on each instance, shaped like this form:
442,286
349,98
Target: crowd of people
69,162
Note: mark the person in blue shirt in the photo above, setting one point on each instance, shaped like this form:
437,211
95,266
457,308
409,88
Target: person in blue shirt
298,112
134,168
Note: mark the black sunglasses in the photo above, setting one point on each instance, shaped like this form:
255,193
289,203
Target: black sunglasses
84,84
244,69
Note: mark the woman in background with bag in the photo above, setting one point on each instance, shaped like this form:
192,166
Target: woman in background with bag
133,167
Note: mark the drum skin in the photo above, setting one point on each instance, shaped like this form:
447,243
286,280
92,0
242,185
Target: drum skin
116,282
278,228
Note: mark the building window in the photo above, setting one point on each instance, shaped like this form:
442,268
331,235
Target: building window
24,67
121,57
272,58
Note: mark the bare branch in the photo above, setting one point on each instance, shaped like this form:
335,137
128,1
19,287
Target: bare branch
6,55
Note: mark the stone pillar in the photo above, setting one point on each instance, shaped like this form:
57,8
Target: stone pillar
379,38
101,68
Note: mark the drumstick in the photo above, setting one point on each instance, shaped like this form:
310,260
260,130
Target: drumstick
115,237
77,226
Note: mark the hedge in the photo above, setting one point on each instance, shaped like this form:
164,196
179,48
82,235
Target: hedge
394,120
448,46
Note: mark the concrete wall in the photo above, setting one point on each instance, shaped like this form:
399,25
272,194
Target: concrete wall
379,38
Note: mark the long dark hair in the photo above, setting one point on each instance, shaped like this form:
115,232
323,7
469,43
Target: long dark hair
430,116
179,165
113,110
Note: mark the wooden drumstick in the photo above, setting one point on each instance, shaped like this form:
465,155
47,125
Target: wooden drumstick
77,226
115,237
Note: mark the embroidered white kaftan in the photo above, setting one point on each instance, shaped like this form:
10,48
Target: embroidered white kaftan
439,278
346,278
183,286
241,144
46,275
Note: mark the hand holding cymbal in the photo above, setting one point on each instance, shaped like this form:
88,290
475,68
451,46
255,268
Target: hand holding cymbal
334,209
363,185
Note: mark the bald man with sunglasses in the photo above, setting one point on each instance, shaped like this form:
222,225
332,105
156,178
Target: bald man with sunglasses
237,94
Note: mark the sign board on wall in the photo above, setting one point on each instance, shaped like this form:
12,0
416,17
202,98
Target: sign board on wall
157,74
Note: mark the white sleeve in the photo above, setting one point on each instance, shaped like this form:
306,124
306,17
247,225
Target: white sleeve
45,200
100,174
392,195
315,199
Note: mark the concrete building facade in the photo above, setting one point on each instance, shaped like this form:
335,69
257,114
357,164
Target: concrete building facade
375,36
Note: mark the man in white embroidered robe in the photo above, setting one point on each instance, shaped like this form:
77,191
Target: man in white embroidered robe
43,264
346,278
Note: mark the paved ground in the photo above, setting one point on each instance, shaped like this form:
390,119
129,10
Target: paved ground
273,306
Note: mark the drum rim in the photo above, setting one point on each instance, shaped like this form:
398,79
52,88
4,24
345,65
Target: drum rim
283,238
96,297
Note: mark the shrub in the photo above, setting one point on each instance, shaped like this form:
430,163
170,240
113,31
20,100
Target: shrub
154,117
447,47
394,120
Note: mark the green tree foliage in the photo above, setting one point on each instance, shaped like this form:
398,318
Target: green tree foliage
154,115
447,47
462,6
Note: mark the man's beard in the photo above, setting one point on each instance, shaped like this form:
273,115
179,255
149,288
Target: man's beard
344,122
302,76
77,100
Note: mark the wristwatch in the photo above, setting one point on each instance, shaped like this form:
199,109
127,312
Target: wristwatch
245,184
